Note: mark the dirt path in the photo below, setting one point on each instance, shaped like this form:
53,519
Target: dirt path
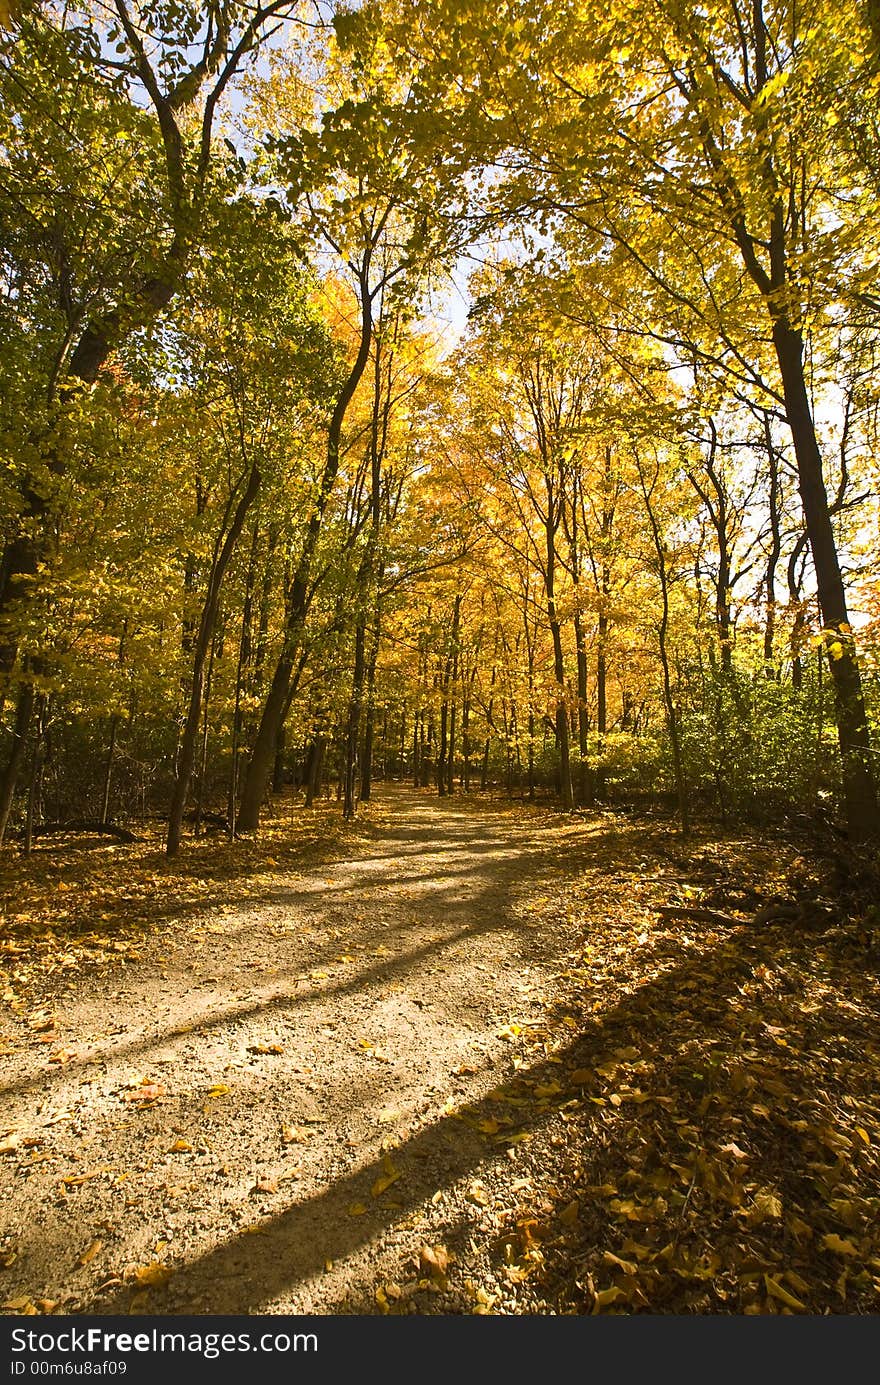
457,1057
255,1116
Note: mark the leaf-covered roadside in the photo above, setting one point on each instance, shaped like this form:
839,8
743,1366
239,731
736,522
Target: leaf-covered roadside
711,1142
79,902
664,1097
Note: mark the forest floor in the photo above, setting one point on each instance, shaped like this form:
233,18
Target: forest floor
462,1056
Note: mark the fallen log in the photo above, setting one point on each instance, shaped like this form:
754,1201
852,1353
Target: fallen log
81,827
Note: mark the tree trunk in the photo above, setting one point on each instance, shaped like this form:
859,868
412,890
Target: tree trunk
370,714
257,778
859,781
662,632
108,768
244,654
316,763
566,792
773,501
585,785
453,684
202,644
203,750
441,750
23,712
34,783
350,765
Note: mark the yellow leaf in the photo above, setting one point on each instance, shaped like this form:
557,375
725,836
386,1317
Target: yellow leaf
219,1089
863,1135
385,1180
357,1209
607,1296
434,1261
154,1276
569,1215
766,1207
147,1091
775,1290
76,1180
489,1126
801,1230
90,1252
181,1147
838,1245
796,1281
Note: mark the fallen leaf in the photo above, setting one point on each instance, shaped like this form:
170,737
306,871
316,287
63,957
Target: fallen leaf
385,1180
20,1305
75,1180
766,1207
153,1276
147,1091
839,1245
545,1089
775,1290
181,1147
605,1297
734,1149
434,1261
90,1252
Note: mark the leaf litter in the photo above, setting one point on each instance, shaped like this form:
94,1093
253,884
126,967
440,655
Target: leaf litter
685,1119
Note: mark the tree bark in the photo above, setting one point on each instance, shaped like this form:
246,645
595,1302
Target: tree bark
260,765
202,644
859,780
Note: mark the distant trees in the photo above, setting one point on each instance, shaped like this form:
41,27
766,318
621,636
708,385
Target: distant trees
262,522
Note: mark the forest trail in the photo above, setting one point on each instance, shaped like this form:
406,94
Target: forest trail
229,1101
464,1056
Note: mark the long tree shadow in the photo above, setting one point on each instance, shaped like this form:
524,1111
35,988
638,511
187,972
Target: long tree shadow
629,1144
464,914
